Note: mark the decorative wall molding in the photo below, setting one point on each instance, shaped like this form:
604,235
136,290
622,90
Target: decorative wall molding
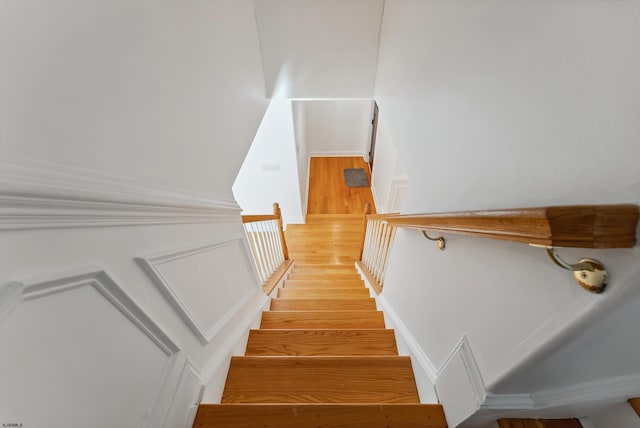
36,194
151,267
605,390
508,402
233,336
185,387
463,351
17,293
398,184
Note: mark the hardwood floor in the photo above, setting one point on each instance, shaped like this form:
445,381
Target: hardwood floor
328,194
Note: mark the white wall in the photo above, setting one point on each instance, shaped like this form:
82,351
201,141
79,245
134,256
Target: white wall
389,179
319,49
300,130
155,99
338,128
498,104
614,415
124,275
270,171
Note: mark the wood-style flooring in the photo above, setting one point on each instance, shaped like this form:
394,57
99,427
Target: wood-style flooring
328,193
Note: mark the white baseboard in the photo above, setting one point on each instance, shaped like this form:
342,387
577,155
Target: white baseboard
233,340
425,372
335,154
294,219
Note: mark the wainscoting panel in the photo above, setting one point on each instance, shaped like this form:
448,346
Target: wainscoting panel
206,285
81,351
186,397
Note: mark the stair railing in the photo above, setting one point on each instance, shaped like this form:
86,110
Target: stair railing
266,238
376,247
575,226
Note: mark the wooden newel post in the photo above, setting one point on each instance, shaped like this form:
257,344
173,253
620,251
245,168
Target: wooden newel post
278,213
367,211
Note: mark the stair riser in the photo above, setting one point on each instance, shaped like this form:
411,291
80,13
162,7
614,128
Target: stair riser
328,293
279,304
324,283
320,415
322,320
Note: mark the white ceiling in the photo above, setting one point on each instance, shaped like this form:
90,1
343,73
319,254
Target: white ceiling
319,48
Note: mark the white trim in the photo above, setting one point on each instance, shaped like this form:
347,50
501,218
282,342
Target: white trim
508,402
376,204
106,285
233,333
188,370
464,352
293,219
336,154
604,390
397,183
150,266
306,194
417,354
36,194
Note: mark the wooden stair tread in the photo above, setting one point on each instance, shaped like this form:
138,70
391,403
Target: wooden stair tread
323,292
320,380
320,415
358,304
321,342
315,283
322,319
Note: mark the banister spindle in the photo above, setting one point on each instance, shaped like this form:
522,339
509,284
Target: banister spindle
277,212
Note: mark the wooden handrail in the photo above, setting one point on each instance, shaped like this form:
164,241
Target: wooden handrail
258,217
578,226
380,216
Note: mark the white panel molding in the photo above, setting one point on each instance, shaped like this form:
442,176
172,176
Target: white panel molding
397,184
36,194
463,351
16,293
182,389
376,201
337,153
508,402
150,265
232,337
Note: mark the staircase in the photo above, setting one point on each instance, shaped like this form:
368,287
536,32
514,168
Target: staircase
322,356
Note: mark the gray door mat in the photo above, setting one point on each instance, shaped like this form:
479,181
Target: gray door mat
356,177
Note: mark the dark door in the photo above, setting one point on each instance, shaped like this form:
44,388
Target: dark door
374,130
